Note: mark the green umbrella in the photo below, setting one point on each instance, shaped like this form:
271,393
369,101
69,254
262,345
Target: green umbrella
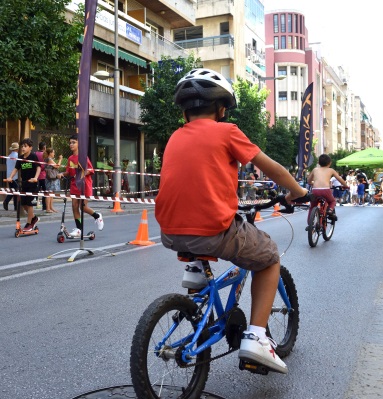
370,157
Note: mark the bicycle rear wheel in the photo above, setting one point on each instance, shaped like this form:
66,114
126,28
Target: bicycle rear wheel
283,325
314,227
328,229
154,368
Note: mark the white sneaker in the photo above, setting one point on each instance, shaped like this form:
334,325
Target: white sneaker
260,351
75,233
99,222
194,276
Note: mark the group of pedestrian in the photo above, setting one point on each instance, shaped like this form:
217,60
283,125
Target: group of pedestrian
362,190
39,171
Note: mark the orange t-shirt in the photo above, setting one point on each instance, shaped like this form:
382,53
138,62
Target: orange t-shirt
199,178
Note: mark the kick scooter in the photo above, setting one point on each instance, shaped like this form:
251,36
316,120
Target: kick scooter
19,232
64,233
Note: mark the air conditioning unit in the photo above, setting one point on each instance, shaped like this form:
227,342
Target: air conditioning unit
254,58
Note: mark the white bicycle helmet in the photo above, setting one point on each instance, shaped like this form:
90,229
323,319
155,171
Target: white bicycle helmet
201,87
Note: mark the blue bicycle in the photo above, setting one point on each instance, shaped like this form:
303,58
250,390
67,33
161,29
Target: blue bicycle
172,345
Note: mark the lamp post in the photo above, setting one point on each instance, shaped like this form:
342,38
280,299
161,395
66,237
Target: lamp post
264,78
103,75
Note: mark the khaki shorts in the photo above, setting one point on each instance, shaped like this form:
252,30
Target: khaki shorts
242,244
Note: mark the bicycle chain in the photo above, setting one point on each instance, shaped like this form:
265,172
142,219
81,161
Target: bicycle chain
218,356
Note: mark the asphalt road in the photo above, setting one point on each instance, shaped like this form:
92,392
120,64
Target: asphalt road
66,327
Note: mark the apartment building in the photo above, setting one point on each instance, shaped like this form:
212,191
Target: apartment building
289,54
228,37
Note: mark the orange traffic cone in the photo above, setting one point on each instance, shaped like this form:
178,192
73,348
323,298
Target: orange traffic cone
117,205
258,216
276,210
142,237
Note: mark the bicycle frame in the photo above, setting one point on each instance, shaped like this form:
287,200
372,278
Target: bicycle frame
234,276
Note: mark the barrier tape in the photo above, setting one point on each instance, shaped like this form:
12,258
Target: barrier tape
7,191
48,194
95,170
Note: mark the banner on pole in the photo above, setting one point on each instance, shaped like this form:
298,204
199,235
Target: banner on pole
305,132
83,86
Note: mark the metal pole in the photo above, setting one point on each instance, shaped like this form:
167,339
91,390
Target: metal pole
117,163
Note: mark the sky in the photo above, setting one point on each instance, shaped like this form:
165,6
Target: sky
350,36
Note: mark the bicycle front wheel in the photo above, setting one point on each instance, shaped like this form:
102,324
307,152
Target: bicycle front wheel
155,365
314,227
283,325
328,229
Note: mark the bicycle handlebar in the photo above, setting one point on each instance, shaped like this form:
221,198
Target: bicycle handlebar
288,208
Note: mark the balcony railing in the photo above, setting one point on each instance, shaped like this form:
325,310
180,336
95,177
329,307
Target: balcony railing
212,41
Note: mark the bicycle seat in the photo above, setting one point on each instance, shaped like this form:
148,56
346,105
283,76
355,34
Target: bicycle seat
189,257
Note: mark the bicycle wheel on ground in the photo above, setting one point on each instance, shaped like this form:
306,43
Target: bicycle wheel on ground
165,326
314,227
283,325
328,229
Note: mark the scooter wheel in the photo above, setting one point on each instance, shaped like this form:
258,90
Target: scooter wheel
36,229
91,235
60,238
17,233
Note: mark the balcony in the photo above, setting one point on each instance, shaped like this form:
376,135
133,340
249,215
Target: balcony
178,13
101,101
211,48
208,8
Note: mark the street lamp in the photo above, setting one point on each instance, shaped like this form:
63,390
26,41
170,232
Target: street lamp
264,78
104,75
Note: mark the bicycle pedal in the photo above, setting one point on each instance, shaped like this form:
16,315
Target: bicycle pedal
254,368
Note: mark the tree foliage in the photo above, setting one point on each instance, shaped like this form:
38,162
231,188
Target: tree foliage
250,115
280,143
39,62
159,114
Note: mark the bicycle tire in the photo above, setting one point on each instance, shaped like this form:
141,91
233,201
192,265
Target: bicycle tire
328,229
153,374
282,325
314,227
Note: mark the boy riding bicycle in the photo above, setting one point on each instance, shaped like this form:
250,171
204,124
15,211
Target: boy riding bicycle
319,179
200,216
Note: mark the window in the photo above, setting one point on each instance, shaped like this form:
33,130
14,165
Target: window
290,42
295,23
276,27
289,23
283,23
293,71
294,95
276,43
282,71
120,4
194,32
282,96
283,42
295,42
224,28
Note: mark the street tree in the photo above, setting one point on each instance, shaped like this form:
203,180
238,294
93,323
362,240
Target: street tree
280,143
38,63
160,116
250,115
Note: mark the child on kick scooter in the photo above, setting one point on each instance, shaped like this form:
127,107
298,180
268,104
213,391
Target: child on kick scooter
29,173
70,172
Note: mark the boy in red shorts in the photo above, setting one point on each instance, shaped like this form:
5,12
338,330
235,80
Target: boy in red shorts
71,167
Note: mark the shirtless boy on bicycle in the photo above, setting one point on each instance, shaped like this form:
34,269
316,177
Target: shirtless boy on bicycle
319,179
198,214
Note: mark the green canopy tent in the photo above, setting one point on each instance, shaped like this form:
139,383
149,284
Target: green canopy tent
370,157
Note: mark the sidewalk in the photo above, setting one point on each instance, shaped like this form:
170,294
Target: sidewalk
105,207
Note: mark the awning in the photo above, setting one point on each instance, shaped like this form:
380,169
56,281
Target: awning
106,48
